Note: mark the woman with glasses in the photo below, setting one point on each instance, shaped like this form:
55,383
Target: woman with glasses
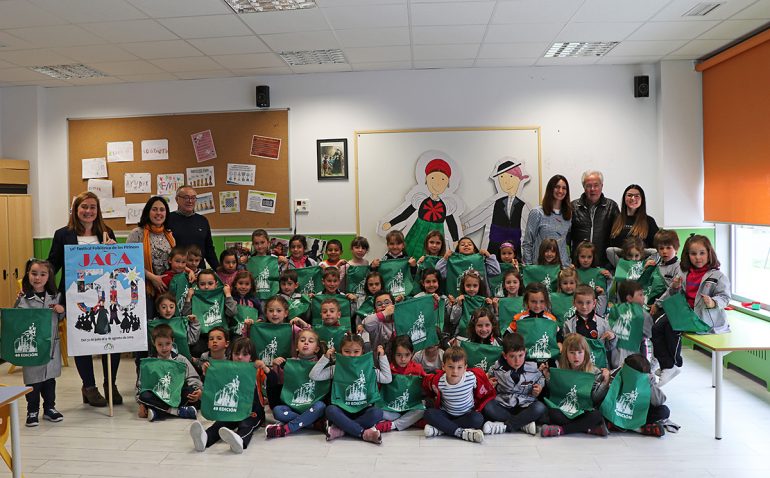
86,226
633,219
190,228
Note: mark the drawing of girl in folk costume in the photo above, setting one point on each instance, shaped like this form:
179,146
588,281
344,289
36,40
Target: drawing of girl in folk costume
430,205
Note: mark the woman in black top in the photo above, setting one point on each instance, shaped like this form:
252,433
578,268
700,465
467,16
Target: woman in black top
633,219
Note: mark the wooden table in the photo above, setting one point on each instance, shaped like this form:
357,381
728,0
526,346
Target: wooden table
746,333
9,396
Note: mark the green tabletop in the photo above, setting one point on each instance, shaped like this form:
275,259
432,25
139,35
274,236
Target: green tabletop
746,333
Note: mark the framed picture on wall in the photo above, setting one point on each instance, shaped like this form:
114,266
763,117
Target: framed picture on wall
332,159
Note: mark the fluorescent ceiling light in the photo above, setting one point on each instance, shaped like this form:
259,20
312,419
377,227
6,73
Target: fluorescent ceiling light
573,49
68,72
255,6
313,57
702,9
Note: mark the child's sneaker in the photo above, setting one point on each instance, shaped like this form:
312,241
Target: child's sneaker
232,439
332,433
493,428
551,431
188,412
198,435
372,435
431,431
53,415
600,431
530,429
276,430
32,420
668,374
653,430
473,435
141,412
384,426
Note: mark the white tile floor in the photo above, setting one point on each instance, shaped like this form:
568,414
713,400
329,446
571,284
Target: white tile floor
89,443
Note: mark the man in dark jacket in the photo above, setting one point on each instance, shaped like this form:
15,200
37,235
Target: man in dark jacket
191,228
592,217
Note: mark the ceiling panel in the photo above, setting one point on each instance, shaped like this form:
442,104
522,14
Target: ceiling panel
645,48
251,60
374,16
445,52
699,48
230,45
448,34
148,77
136,67
504,62
199,75
732,29
84,11
207,26
181,8
615,31
675,10
283,22
574,61
130,31
618,10
21,13
536,11
461,13
162,49
513,50
378,54
366,37
96,53
194,63
383,65
56,35
761,9
301,41
671,30
522,32
321,68
628,60
34,57
277,70
21,74
434,64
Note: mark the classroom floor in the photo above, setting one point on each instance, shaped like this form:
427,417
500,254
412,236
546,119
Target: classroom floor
89,443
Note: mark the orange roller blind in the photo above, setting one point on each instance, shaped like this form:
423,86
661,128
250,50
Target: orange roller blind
736,133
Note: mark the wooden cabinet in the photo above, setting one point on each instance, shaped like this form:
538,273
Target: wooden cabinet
15,243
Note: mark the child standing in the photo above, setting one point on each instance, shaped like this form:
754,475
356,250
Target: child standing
359,246
177,264
459,396
396,244
577,356
707,290
308,348
518,384
380,325
360,424
401,363
433,246
157,409
333,253
548,254
39,291
466,247
631,291
236,434
228,266
483,328
585,254
587,322
243,290
666,244
288,281
297,258
194,258
207,280
508,255
471,286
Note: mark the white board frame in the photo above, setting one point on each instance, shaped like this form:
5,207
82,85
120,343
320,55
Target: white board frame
385,161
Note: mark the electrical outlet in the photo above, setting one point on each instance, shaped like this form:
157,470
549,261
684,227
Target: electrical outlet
301,205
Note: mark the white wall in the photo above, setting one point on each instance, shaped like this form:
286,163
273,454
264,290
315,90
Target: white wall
588,115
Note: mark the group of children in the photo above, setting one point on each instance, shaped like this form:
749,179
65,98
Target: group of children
457,396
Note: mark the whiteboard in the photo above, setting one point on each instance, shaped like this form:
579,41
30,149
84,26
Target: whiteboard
385,168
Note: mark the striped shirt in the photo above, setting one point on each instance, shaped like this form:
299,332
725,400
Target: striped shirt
457,399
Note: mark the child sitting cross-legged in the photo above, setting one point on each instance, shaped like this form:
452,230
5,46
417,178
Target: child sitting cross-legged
459,396
157,409
518,384
242,351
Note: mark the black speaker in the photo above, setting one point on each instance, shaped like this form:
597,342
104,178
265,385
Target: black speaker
641,86
263,96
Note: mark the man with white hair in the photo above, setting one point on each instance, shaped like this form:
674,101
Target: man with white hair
592,216
191,228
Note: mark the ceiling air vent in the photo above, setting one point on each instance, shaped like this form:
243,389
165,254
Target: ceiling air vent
702,9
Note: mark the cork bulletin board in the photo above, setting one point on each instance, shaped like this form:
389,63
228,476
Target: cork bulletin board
257,139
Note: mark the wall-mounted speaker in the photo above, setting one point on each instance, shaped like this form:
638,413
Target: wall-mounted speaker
641,86
263,96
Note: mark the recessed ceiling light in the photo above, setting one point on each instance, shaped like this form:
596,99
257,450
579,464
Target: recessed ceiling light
572,49
255,6
313,57
68,72
702,9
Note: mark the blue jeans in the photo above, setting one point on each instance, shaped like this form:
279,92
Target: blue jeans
296,421
450,424
514,418
353,424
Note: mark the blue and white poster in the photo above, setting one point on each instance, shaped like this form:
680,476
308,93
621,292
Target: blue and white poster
106,303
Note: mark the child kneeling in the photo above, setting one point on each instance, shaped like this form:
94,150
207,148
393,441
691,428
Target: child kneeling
460,394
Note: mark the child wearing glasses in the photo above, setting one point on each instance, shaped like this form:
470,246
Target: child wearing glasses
380,324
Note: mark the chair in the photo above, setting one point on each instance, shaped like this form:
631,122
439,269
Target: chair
5,432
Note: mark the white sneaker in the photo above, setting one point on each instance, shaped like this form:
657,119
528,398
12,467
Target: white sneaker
472,435
530,429
668,374
198,435
493,428
232,439
431,431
